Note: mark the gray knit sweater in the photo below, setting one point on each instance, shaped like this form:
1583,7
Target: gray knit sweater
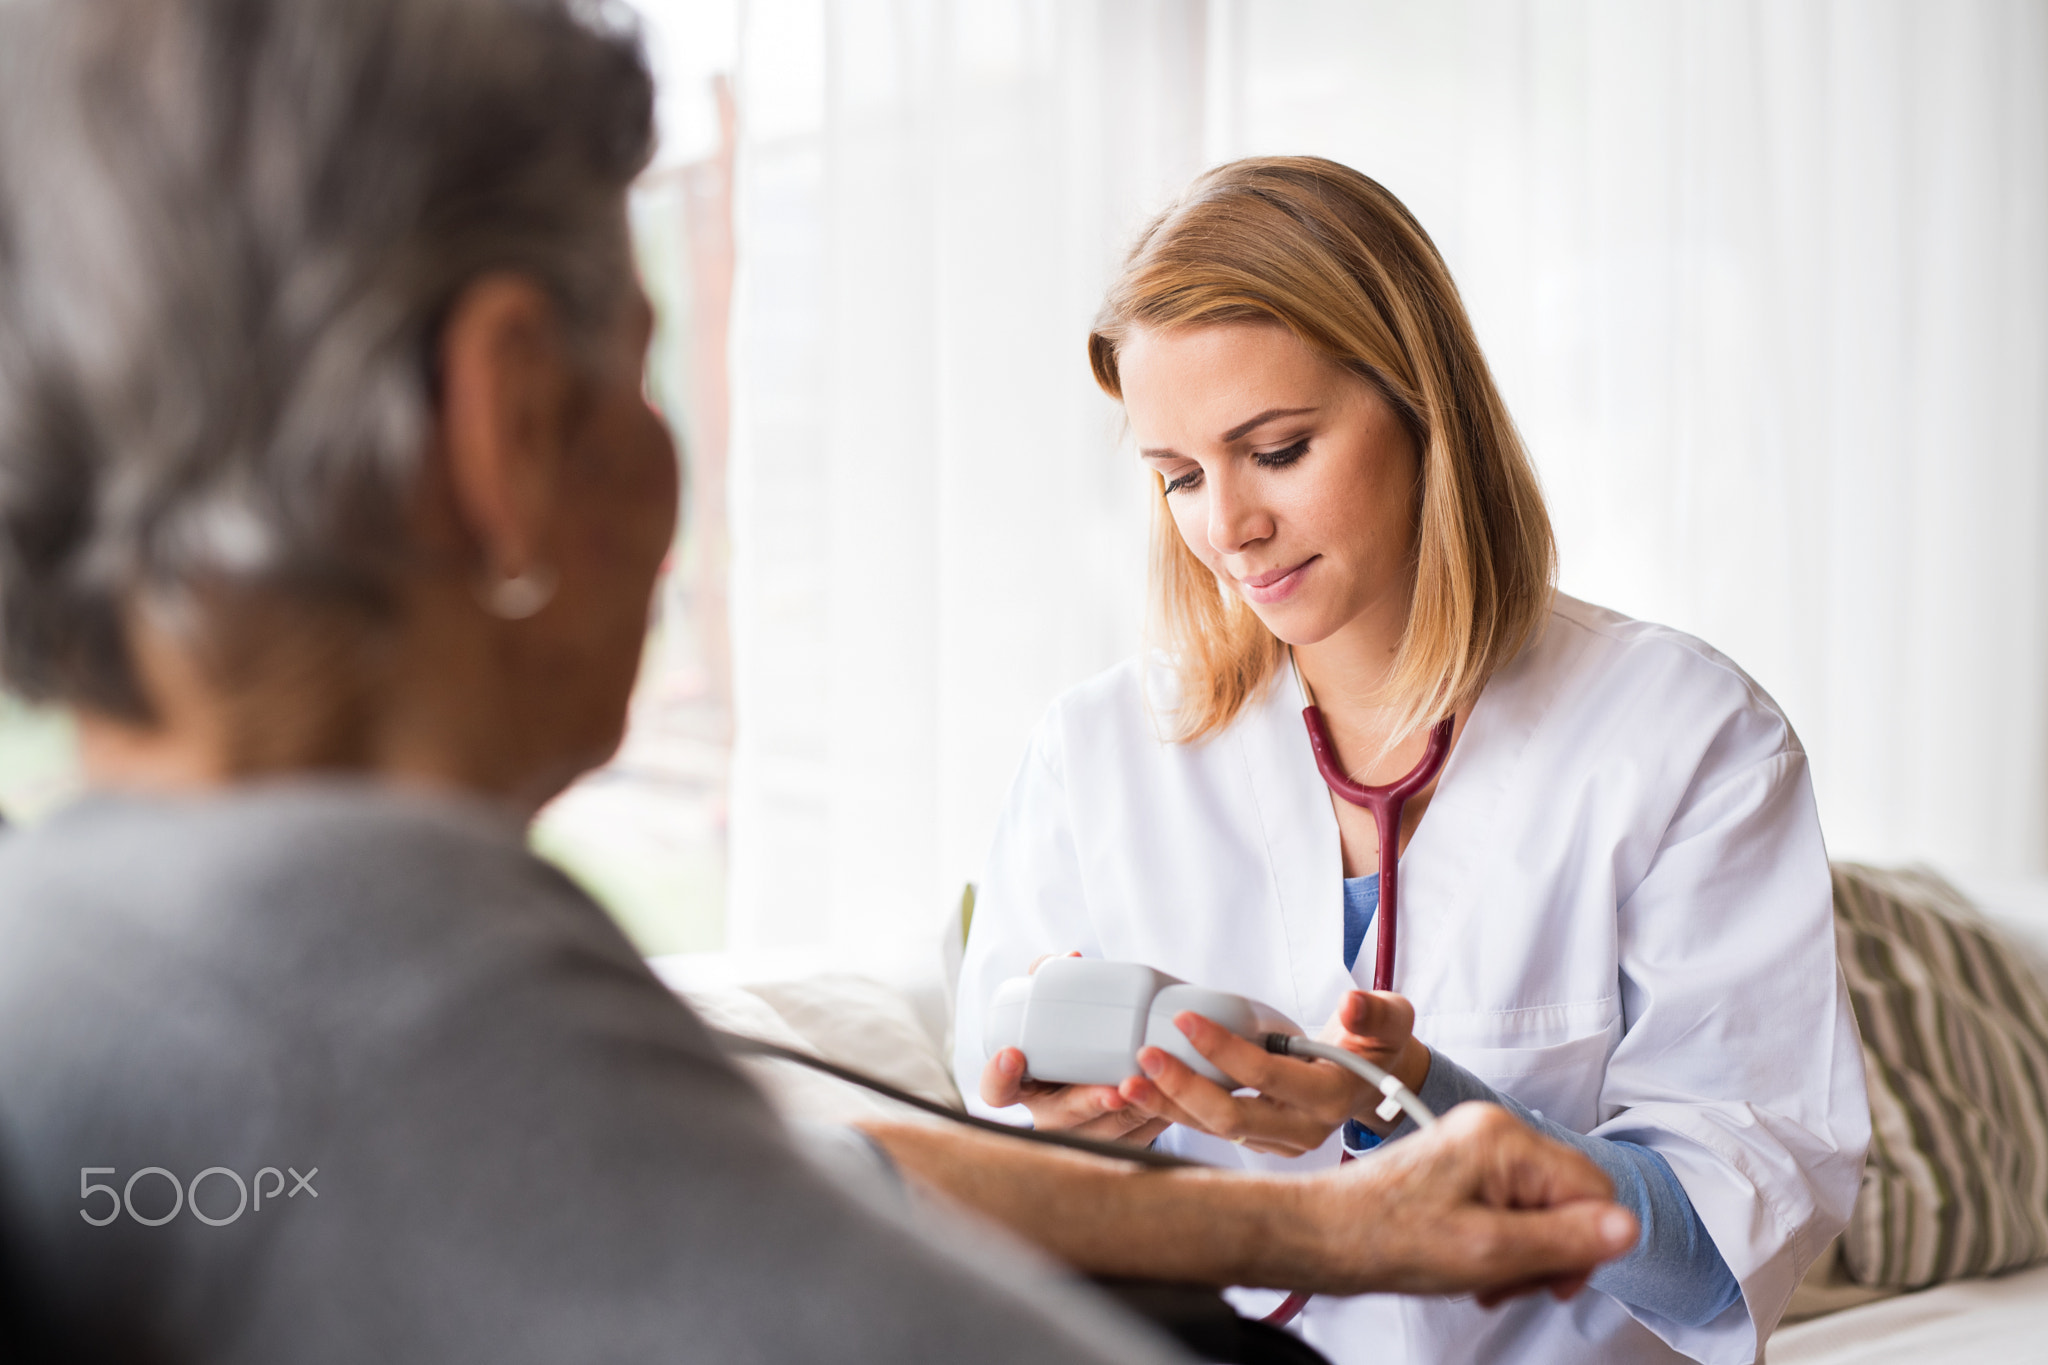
478,1128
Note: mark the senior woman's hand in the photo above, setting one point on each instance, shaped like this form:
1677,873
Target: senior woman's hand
1481,1203
1299,1101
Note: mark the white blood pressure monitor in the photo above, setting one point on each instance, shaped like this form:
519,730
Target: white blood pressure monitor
1081,1021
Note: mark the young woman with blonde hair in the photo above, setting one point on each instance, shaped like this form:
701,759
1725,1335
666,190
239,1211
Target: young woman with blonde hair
1614,899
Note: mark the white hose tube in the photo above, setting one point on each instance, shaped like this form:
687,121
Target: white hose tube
1399,1098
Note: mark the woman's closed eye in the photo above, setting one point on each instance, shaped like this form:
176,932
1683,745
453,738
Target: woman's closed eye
1280,459
1264,459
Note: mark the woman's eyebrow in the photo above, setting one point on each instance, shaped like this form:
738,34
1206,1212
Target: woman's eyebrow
1237,432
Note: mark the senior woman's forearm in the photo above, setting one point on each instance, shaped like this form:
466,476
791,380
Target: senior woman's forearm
1105,1218
1480,1204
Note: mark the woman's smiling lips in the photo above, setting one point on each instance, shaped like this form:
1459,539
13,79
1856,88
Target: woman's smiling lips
1274,585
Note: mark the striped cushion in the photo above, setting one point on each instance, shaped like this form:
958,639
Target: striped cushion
1955,1048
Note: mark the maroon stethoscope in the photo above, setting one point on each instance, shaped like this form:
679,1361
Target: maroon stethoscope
1385,803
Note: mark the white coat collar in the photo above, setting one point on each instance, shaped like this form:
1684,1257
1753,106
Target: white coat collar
1438,867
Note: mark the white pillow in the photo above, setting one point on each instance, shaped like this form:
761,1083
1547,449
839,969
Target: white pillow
798,1093
852,1020
861,1023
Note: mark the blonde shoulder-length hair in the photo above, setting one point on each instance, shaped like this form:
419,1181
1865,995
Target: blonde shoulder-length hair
1338,261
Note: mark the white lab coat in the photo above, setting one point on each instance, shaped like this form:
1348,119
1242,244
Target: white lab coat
1616,909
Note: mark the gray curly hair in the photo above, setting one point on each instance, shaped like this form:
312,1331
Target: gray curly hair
229,231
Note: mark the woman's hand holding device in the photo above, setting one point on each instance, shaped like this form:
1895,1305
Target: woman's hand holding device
1299,1102
1096,1111
1118,1051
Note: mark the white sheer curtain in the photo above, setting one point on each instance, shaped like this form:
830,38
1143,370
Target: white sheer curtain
1766,285
933,532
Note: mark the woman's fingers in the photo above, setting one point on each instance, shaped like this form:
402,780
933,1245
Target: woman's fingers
1100,1111
1002,1080
1380,1027
1144,1095
1125,1125
1321,1088
1075,1106
1245,1062
1297,1106
1381,1020
1189,1099
1004,1083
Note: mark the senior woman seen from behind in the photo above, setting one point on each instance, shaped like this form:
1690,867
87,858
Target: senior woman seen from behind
331,510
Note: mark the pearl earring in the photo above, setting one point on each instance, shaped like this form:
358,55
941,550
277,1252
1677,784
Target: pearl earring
521,595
